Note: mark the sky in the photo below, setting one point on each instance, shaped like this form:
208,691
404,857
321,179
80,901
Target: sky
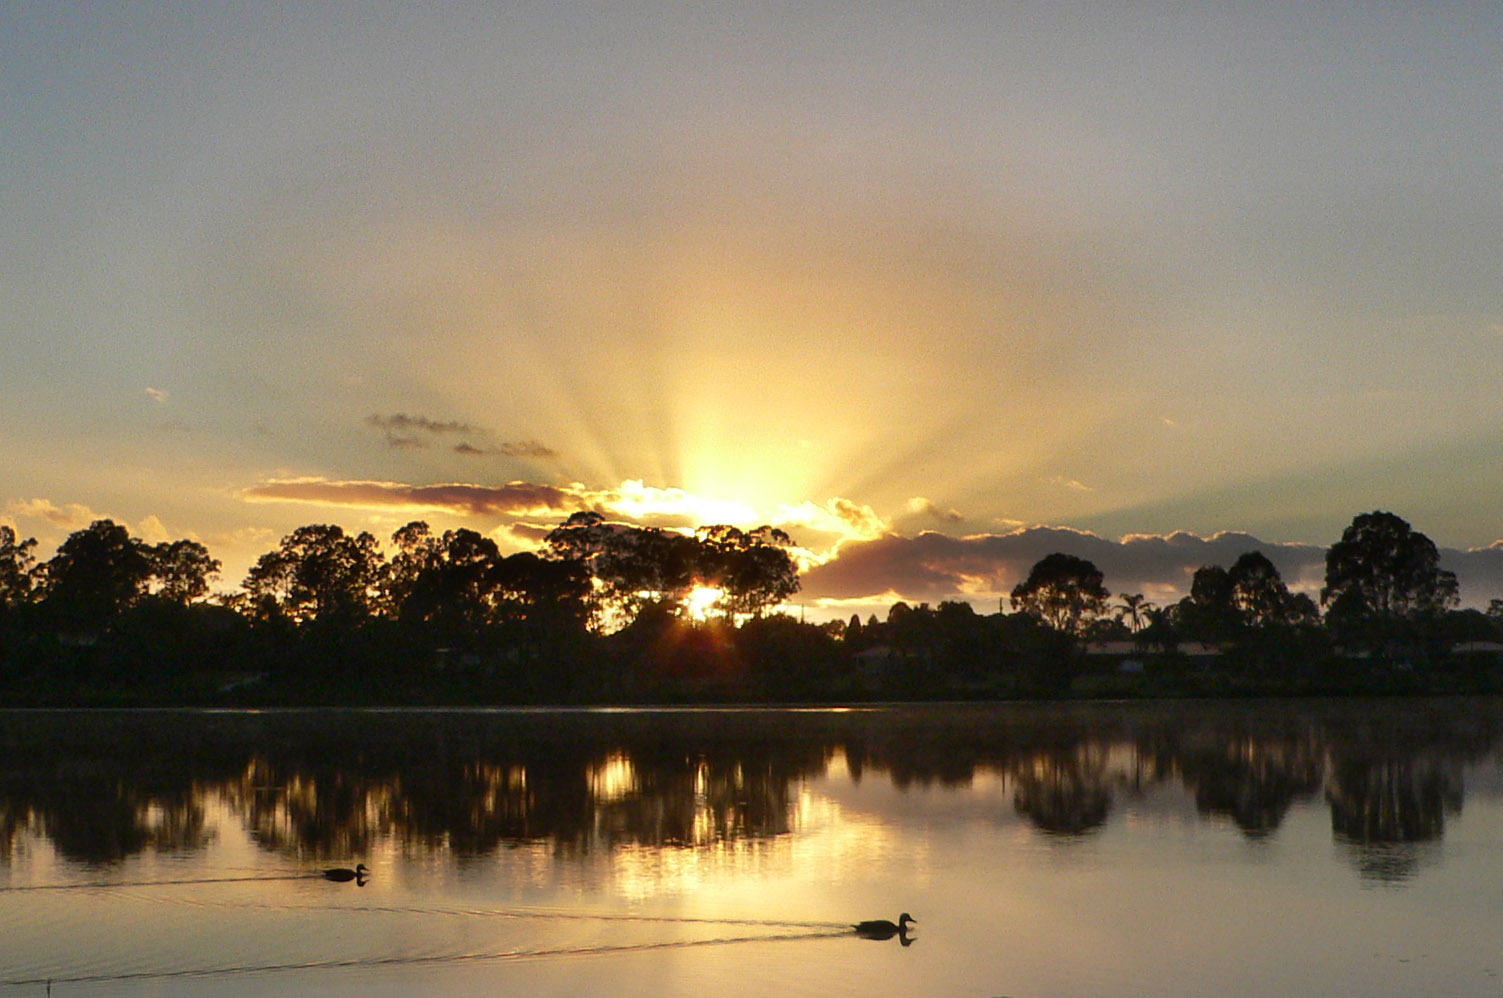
938,289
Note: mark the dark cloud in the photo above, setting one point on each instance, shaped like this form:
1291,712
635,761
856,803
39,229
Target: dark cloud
1478,570
402,423
405,432
524,448
512,499
932,566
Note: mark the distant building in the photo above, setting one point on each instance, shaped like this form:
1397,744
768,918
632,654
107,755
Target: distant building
1191,649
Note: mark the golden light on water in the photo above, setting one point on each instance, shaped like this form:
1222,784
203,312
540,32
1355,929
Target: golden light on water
613,779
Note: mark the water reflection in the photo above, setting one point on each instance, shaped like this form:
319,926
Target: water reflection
1252,780
102,787
1064,792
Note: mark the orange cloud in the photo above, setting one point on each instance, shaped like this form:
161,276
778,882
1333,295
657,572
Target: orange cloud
511,499
71,515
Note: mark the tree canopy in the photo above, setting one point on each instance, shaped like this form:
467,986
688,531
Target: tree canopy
1385,569
97,573
317,572
1064,591
637,567
16,563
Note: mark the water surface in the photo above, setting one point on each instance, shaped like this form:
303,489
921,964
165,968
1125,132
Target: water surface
1186,848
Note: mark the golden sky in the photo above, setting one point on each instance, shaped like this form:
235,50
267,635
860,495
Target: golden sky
1047,272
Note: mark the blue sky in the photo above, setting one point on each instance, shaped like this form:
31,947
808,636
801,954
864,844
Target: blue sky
862,270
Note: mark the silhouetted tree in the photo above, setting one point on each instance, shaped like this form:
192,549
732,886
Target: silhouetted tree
1064,591
416,556
96,574
1382,578
450,581
635,567
317,572
1301,611
646,565
556,596
182,570
753,568
1392,569
16,564
1134,611
1257,590
583,537
1162,629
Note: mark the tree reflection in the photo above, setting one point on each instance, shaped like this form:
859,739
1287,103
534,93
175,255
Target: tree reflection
1061,795
1254,782
310,786
1384,807
319,812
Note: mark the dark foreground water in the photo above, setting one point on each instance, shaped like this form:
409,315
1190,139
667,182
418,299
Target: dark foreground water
1187,848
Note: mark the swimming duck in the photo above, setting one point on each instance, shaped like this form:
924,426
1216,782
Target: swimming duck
881,928
342,874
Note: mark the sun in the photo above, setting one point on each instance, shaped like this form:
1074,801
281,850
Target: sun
700,602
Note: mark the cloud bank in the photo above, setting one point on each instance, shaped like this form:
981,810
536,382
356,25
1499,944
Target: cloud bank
932,566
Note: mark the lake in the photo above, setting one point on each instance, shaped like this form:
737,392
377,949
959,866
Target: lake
1184,848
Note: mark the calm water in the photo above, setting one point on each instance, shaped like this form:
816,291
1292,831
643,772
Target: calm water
1256,849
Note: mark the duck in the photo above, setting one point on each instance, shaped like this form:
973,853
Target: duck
881,928
344,874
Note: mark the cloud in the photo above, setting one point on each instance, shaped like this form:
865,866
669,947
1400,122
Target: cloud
402,423
1478,570
838,517
863,520
158,394
404,432
511,499
71,516
524,448
919,505
414,432
152,530
817,528
522,534
933,566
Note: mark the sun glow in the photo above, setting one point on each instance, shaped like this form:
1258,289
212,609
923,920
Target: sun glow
701,601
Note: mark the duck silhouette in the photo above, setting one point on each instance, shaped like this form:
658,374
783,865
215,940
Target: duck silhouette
344,874
881,928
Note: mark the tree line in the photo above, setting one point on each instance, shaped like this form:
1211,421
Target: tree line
589,571
1384,589
329,608
601,612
